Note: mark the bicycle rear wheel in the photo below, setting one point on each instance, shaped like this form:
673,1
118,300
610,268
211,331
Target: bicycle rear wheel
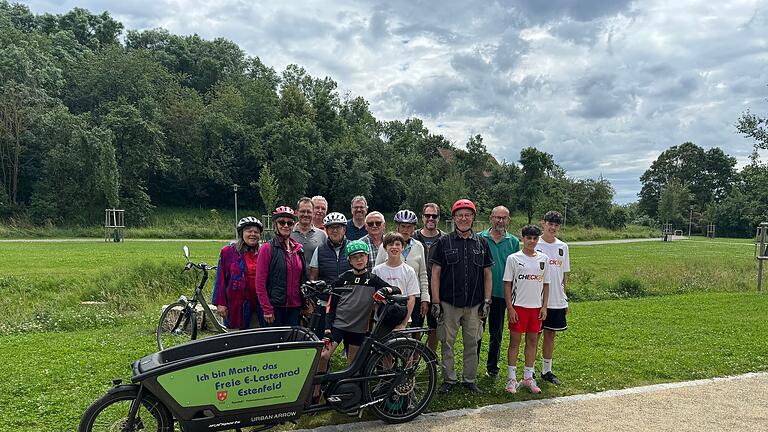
406,398
178,325
110,413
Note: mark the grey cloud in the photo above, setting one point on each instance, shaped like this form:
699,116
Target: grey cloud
598,98
439,34
509,51
429,98
579,32
289,27
581,10
377,25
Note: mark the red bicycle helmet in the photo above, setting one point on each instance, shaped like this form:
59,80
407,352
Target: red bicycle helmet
284,211
463,204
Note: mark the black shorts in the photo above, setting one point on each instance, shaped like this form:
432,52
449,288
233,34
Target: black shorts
555,320
417,319
351,338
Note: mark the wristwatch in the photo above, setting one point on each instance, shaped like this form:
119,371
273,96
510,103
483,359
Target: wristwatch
487,301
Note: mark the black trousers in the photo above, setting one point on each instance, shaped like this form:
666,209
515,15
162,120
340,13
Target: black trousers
495,322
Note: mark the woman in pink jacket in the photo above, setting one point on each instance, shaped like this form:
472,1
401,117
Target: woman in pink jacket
280,271
234,289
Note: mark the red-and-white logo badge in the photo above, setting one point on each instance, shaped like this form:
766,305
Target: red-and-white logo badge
222,396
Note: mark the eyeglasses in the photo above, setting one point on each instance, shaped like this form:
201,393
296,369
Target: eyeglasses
463,216
334,227
284,222
430,216
374,223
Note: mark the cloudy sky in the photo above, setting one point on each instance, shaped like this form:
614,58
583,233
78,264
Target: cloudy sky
605,86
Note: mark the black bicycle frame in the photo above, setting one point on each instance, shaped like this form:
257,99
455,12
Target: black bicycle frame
370,343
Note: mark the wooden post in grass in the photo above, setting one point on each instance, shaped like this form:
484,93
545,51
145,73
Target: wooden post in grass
761,252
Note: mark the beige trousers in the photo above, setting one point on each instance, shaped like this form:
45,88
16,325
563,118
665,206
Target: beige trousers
447,329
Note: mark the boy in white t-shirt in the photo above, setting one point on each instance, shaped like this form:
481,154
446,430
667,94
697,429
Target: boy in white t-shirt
526,291
397,273
557,308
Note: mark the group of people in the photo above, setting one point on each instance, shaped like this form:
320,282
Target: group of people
458,280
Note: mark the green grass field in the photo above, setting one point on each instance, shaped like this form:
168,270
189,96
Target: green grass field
643,313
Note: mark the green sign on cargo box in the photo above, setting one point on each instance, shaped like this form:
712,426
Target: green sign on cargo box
248,381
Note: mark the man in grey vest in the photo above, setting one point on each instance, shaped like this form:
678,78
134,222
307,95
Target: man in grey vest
328,261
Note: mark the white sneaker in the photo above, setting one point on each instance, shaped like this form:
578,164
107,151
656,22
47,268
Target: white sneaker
511,386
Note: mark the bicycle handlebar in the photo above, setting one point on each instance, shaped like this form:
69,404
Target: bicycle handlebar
202,266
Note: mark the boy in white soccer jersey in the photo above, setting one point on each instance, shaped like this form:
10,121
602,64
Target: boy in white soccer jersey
557,308
526,291
397,273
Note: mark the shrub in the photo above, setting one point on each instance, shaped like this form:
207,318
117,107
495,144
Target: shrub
628,286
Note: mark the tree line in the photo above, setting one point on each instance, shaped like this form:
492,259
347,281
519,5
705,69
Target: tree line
687,185
92,117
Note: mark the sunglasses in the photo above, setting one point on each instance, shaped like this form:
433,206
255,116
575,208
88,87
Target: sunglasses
374,223
430,216
284,222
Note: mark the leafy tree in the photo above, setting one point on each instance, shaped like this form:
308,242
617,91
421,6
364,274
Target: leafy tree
18,16
269,188
673,203
597,208
535,167
202,63
476,164
617,217
81,176
452,188
20,106
92,31
140,151
755,127
708,175
732,216
115,74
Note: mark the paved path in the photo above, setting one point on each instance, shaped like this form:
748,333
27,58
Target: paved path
721,404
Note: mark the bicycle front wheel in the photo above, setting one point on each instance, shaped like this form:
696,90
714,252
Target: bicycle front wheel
405,381
178,325
110,413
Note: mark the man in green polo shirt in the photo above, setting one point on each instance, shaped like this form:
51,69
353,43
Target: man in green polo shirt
502,245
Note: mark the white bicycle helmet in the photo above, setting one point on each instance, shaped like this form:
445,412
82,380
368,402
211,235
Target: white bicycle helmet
406,216
249,221
334,218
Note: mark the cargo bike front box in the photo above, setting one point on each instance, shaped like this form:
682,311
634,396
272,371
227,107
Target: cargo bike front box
234,380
